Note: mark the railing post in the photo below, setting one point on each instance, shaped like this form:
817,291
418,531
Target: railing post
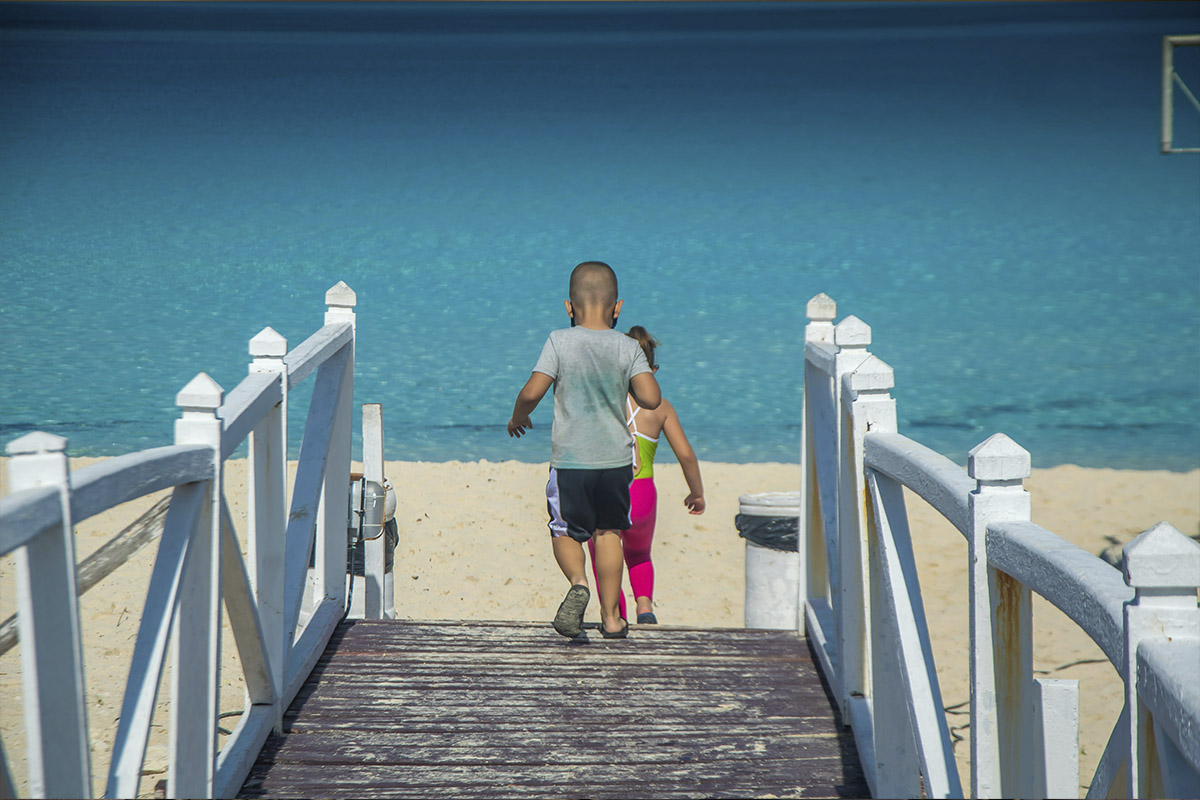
851,336
331,520
1000,628
814,577
267,515
1163,568
196,640
897,770
56,731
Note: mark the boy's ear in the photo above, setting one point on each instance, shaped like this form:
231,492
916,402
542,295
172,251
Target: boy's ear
617,310
567,306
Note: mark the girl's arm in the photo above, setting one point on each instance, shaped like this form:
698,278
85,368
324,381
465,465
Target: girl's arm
687,459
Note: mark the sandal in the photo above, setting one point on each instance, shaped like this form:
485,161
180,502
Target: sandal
569,619
621,634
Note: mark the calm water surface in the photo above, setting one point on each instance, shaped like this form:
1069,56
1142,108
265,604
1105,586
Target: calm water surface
979,182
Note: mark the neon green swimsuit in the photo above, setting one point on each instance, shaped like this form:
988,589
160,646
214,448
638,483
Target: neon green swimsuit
644,447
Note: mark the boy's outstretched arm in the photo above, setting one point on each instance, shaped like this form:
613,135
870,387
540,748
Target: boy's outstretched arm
645,390
527,399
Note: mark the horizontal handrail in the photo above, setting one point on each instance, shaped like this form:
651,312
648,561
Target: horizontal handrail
316,350
1085,588
1170,687
98,487
28,514
822,355
245,406
109,483
931,476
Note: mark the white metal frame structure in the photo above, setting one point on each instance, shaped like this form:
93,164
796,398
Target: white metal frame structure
1170,79
281,612
861,607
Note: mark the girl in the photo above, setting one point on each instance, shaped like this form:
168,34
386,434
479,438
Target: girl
644,428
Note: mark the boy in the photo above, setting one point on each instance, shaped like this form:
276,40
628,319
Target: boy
591,367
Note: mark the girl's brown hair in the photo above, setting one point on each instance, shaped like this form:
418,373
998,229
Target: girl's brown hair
647,342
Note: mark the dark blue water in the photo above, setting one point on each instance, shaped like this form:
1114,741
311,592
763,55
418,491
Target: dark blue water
980,182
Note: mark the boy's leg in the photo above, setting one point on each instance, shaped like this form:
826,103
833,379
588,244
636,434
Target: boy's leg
569,555
596,577
609,560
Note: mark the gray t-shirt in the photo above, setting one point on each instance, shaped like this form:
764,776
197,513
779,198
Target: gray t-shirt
591,371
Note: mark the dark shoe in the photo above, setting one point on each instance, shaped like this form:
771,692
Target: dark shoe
647,618
621,634
569,619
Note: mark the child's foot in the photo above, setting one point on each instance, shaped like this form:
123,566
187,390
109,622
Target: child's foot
620,633
569,619
647,618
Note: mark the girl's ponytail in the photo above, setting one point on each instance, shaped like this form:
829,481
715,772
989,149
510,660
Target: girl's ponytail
646,341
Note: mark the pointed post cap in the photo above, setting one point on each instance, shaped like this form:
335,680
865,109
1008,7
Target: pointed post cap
822,308
998,458
341,296
1162,558
202,393
872,375
36,442
268,343
852,332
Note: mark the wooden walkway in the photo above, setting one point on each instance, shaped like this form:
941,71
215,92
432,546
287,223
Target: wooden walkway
508,709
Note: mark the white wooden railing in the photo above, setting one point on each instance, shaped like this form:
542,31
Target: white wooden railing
281,612
861,605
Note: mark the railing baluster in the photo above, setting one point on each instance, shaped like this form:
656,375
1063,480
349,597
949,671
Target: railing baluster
1056,738
331,521
267,513
196,650
866,405
814,576
1000,626
851,336
56,730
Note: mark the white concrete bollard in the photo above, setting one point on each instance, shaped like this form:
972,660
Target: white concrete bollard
772,574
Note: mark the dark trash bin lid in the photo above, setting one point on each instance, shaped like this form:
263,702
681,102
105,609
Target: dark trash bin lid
770,519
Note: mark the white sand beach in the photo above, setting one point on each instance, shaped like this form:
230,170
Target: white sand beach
473,545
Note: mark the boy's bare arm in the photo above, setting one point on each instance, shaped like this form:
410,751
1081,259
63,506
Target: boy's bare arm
645,390
527,399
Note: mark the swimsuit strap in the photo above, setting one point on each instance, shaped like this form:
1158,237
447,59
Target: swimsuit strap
635,433
633,412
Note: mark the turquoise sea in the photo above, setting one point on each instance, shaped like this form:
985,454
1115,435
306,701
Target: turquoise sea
980,182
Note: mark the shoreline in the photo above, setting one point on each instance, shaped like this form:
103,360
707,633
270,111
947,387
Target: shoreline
474,545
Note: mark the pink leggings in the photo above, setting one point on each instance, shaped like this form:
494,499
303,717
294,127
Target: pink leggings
643,502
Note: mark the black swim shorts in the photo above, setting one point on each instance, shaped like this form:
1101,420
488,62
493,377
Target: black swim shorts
583,501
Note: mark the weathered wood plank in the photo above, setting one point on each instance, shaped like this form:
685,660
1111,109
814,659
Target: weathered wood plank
760,778
583,748
472,709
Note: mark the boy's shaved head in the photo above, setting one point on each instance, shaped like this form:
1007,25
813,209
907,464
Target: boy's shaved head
593,283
